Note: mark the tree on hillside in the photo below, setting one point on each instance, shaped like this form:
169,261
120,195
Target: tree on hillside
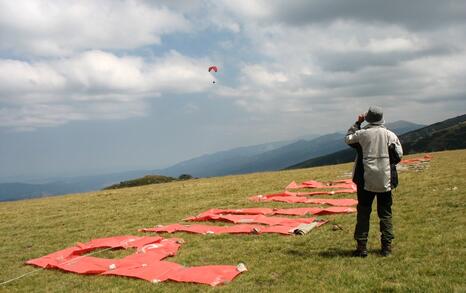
185,177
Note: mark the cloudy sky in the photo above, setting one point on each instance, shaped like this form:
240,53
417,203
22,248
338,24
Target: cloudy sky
102,86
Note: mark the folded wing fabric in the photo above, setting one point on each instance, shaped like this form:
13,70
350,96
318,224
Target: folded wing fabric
342,202
233,229
345,186
426,158
146,263
207,215
312,193
255,219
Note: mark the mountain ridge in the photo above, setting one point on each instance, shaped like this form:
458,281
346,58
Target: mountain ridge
449,137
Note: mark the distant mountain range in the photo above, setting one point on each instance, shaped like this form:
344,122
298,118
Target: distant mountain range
222,163
17,191
263,157
446,135
276,157
240,161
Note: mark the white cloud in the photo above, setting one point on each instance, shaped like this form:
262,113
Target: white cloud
415,15
392,44
249,9
18,78
262,76
284,61
30,117
93,85
327,66
61,27
439,76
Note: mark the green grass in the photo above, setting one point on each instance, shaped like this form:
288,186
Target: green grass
429,249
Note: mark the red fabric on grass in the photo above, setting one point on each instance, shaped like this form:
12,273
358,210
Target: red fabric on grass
204,216
56,259
256,219
346,184
426,158
210,229
346,202
314,211
145,264
311,193
158,272
246,211
233,229
210,275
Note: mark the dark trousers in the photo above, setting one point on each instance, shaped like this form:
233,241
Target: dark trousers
384,211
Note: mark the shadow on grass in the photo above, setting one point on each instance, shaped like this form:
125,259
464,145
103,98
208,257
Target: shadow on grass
300,252
329,253
338,252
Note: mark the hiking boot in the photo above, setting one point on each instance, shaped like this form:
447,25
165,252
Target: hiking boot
386,249
361,249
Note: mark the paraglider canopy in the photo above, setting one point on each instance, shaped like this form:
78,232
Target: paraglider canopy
213,68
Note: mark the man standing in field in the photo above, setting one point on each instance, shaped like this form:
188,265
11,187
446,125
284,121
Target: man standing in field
373,177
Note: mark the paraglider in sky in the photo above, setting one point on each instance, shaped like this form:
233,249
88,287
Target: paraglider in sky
213,68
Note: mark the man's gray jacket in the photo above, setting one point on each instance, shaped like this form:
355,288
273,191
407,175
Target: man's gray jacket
374,140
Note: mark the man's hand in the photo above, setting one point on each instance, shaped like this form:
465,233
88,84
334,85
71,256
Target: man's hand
361,118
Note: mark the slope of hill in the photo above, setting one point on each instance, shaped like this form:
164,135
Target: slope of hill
428,248
146,180
446,135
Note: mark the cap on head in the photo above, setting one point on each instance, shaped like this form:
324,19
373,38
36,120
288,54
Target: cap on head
374,115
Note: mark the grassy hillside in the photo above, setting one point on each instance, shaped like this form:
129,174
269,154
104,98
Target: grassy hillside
429,250
146,180
449,138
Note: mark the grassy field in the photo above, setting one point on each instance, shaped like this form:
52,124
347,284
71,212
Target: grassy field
429,249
